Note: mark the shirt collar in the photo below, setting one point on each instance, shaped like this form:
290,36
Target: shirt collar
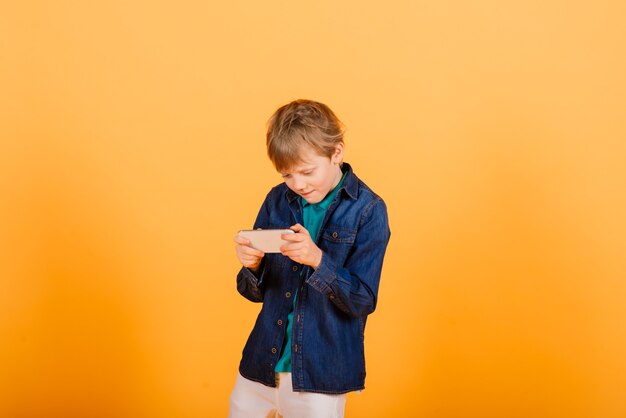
350,184
325,203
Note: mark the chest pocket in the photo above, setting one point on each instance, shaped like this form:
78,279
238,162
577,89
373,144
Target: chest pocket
337,241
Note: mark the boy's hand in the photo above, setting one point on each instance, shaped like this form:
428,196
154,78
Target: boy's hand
301,247
248,256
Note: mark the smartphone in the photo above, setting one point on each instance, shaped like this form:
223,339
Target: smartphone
266,240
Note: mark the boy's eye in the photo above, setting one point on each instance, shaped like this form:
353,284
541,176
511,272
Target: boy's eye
308,172
286,176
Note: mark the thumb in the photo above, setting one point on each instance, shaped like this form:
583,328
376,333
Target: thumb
299,229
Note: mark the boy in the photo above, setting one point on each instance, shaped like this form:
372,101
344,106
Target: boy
306,351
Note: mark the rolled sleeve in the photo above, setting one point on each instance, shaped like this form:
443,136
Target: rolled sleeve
249,285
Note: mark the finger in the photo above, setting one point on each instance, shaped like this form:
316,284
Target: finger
299,229
293,245
243,256
251,251
249,260
256,253
292,249
293,237
241,240
292,254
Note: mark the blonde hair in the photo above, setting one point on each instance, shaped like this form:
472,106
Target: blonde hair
298,124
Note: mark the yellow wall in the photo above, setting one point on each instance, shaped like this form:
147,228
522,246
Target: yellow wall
132,150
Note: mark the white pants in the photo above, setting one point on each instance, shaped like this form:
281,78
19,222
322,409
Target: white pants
254,400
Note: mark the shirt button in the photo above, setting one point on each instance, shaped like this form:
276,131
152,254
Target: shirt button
335,235
288,294
279,322
332,297
295,268
273,350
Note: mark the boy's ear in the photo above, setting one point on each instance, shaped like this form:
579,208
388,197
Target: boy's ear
338,155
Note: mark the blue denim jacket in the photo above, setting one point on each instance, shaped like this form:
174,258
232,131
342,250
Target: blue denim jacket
333,301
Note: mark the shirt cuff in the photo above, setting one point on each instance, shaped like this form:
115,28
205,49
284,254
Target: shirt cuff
322,277
254,278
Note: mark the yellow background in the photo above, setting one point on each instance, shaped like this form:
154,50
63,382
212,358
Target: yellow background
132,150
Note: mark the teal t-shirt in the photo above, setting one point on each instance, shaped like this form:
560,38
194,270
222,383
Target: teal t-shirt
312,217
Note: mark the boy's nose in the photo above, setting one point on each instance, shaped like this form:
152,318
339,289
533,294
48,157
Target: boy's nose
298,184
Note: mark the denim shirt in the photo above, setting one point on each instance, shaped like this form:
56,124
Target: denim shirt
333,301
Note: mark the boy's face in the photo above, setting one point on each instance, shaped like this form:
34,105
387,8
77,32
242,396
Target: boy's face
316,175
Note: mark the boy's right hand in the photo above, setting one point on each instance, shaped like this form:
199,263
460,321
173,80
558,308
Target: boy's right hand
248,256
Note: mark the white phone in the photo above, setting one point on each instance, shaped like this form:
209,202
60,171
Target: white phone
266,240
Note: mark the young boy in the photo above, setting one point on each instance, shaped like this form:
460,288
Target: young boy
306,351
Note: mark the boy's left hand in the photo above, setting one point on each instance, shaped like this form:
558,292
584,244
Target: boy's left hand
301,247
